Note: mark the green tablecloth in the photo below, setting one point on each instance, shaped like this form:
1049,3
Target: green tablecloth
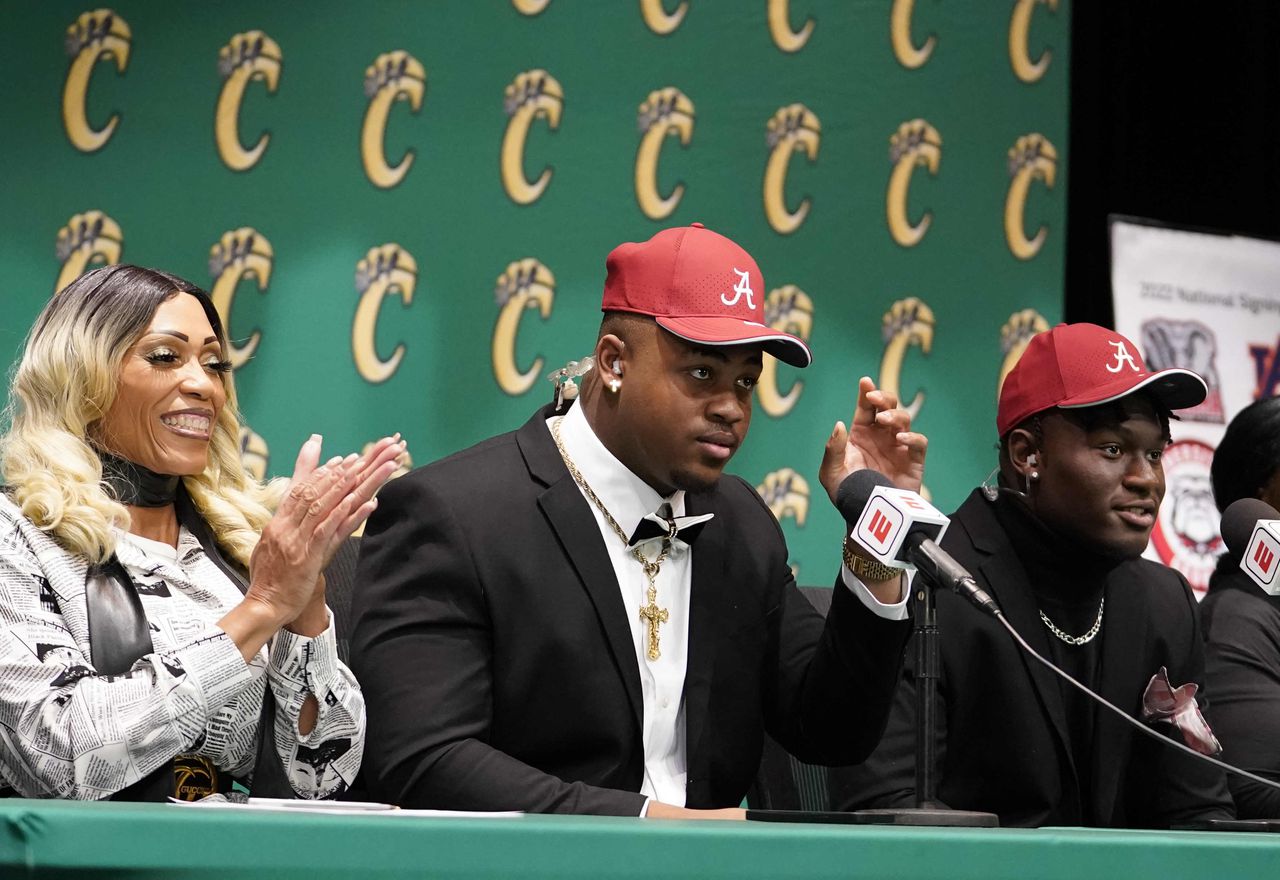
49,839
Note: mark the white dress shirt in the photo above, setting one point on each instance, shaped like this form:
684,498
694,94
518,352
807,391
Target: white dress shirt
629,499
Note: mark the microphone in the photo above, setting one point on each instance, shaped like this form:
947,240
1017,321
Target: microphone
900,529
1251,527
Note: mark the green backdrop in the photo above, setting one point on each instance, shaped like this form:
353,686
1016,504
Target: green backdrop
979,88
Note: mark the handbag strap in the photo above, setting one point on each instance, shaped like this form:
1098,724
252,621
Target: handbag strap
118,631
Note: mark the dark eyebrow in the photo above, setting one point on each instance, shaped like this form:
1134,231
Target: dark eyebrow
715,353
177,334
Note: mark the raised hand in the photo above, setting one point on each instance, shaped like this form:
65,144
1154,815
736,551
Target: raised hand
323,505
880,438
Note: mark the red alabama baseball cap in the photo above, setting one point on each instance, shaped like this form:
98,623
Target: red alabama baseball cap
700,286
1078,365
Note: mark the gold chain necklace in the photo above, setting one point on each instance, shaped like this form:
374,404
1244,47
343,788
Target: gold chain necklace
650,613
1077,640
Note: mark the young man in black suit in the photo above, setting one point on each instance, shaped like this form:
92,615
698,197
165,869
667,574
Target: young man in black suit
584,616
1082,426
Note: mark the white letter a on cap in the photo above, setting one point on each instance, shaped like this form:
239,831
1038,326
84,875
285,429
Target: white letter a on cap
1122,357
743,286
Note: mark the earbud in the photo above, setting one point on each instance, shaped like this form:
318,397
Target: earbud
1032,460
617,369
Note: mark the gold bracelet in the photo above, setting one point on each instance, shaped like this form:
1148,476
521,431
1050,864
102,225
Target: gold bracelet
869,569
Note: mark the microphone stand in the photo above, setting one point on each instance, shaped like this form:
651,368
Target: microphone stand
927,811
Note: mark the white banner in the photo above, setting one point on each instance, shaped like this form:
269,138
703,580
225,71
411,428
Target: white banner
1210,303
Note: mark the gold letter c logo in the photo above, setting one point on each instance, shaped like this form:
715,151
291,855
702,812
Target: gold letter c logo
780,27
665,111
914,143
786,493
1014,337
900,35
247,57
789,309
526,284
658,19
100,34
387,270
393,76
531,94
88,237
238,254
1032,157
1019,27
909,322
792,128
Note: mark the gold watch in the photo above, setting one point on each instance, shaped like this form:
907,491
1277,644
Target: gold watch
868,569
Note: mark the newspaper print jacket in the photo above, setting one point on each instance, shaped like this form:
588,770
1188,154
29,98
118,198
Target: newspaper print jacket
68,732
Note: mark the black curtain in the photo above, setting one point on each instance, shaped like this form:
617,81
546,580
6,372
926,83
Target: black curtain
1175,116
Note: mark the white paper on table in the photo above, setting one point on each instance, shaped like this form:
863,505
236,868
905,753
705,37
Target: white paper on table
341,808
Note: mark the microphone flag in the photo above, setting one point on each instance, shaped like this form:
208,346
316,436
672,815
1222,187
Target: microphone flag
891,514
1261,557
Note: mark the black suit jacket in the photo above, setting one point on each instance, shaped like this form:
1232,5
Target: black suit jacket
496,658
1003,746
1242,647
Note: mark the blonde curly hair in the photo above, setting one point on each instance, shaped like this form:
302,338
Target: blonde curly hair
67,380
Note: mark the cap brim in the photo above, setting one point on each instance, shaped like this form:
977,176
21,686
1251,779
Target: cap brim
720,330
1175,387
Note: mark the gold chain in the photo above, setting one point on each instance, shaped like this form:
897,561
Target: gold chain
650,613
1077,640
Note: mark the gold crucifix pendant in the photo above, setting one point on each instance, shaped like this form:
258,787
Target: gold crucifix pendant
653,616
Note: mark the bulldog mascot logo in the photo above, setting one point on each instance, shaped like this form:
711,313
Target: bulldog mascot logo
665,112
908,323
91,237
659,20
792,128
532,94
385,271
904,49
239,254
780,27
1186,536
525,284
248,57
392,77
100,35
789,309
1032,157
915,144
786,494
1019,27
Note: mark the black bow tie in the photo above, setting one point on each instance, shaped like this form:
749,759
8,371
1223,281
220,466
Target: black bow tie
661,524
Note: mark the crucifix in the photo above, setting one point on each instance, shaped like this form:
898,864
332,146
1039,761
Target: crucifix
652,615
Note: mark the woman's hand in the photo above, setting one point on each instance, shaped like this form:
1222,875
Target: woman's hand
322,507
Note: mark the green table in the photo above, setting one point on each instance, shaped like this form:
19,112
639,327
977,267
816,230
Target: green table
51,839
